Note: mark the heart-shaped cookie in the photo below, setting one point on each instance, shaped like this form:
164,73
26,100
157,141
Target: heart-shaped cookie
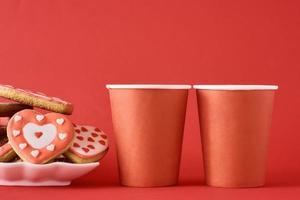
38,138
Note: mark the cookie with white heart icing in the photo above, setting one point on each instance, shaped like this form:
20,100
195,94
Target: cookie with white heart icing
38,138
36,99
90,145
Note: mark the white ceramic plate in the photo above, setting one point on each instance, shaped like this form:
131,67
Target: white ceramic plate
53,174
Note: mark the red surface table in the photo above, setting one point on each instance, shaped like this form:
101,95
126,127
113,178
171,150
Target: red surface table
187,190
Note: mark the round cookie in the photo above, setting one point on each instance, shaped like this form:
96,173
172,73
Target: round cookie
38,138
4,121
8,109
3,125
6,151
90,145
36,99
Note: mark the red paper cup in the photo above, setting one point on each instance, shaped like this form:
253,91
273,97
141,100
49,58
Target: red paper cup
234,125
148,123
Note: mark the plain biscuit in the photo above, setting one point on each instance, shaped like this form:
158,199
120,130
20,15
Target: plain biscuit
36,99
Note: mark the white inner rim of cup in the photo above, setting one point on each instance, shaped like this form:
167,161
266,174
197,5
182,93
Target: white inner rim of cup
147,86
236,87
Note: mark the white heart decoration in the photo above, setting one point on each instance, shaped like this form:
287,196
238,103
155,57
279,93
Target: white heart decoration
62,136
17,118
60,121
22,146
50,147
49,133
35,153
39,117
16,133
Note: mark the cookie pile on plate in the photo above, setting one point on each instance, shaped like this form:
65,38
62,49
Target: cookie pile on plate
47,135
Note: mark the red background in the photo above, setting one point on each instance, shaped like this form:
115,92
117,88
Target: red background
71,49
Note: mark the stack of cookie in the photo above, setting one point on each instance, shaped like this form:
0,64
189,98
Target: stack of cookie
47,135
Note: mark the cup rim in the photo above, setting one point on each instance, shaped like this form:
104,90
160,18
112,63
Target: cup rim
148,86
236,87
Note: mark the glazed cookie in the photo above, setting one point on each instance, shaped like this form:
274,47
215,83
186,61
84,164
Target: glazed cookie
38,138
3,125
4,121
90,145
36,99
8,109
6,151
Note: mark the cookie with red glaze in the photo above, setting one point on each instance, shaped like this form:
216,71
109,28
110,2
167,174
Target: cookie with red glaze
38,138
90,145
36,99
6,151
3,124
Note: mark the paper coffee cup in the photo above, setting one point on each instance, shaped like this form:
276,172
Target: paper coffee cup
234,126
148,122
